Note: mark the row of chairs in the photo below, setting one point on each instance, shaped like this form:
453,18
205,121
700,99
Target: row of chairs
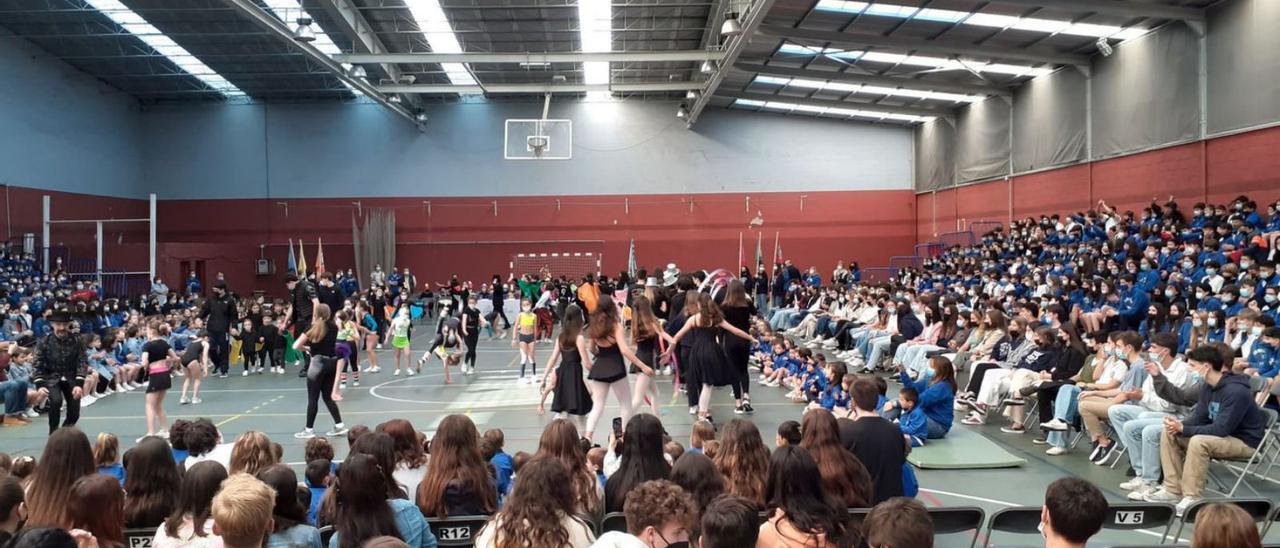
462,531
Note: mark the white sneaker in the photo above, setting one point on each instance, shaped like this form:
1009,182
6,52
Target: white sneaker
245,373
1057,425
1161,495
396,373
338,430
355,383
1185,503
374,369
86,401
1133,484
666,371
305,434
1055,451
410,372
342,386
379,346
31,413
1141,491
195,400
693,410
184,401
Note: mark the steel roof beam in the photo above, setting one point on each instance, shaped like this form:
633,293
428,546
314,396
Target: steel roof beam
353,25
871,79
925,46
754,16
869,107
533,58
437,89
262,18
1126,8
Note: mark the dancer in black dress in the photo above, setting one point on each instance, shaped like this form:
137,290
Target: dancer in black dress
648,336
571,398
706,356
737,311
607,371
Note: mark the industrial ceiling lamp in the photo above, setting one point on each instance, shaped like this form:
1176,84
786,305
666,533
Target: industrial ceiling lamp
303,32
708,66
1104,47
394,99
731,25
359,72
682,112
691,95
421,117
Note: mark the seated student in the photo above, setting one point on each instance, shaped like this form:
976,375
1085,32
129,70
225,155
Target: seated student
178,440
1094,407
729,522
491,446
595,459
703,431
1039,357
242,512
788,433
1073,512
318,475
290,528
658,513
876,442
1264,363
1225,525
936,398
1141,421
908,415
106,456
899,522
13,508
673,450
1224,424
204,442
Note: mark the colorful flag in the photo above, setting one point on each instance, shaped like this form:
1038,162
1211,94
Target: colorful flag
319,256
293,261
631,260
302,259
759,248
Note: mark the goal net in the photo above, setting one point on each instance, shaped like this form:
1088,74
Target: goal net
570,264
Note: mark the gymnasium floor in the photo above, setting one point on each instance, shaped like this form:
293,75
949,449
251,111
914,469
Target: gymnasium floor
275,404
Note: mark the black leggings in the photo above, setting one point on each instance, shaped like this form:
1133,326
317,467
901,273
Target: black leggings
689,375
473,339
57,392
979,371
249,354
320,386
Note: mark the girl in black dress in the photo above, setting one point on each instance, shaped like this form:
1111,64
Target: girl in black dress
737,311
607,371
322,374
649,338
706,356
571,398
156,358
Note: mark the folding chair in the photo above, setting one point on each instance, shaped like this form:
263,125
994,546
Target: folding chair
1258,509
959,519
1023,520
1252,464
856,517
457,531
1134,516
139,538
613,521
326,533
1274,517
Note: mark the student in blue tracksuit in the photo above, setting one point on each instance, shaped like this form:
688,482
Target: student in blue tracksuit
911,419
937,393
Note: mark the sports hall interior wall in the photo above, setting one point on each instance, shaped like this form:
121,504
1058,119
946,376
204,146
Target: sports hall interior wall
1172,112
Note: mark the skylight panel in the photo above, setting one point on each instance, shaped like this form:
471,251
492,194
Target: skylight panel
829,111
133,23
435,27
867,89
940,63
289,11
991,20
595,29
748,103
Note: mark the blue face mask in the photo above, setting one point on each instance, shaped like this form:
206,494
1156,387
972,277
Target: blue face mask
1270,298
1170,293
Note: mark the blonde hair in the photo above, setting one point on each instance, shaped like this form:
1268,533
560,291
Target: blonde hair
242,510
1225,525
106,450
252,453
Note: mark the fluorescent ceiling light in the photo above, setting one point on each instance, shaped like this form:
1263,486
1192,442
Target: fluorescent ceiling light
1030,24
137,26
940,63
289,11
595,29
436,29
868,89
829,111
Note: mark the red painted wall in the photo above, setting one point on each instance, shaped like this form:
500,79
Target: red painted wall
1216,171
124,244
463,236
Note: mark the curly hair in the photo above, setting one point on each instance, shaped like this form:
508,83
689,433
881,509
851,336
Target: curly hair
542,497
657,503
251,453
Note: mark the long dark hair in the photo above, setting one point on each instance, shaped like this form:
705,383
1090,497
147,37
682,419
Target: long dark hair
603,320
560,441
360,504
540,501
195,497
151,483
644,324
844,476
736,295
408,447
743,459
456,459
795,486
570,327
643,459
698,476
288,512
382,447
67,457
96,505
943,371
319,324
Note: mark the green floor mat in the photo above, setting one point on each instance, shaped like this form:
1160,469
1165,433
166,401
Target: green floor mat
962,449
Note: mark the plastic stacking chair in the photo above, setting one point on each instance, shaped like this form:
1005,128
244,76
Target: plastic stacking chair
326,533
613,521
139,538
1240,469
1018,519
958,519
1135,516
458,530
1258,509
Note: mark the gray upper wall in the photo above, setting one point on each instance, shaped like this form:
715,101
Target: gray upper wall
1151,93
63,130
337,150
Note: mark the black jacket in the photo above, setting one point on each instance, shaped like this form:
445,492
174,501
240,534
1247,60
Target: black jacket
1227,409
60,359
218,313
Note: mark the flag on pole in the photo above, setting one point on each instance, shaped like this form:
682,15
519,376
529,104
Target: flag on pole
302,259
293,261
319,256
631,260
740,265
759,248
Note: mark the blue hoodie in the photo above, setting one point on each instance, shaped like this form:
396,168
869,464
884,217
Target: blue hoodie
936,400
1227,409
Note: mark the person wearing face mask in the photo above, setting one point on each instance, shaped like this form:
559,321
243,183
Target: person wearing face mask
1125,348
1139,422
981,392
659,514
1034,367
1264,362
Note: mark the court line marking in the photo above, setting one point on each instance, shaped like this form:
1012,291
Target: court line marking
248,411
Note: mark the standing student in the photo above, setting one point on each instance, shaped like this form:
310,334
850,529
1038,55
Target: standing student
348,348
399,336
249,339
737,311
157,356
705,355
498,297
60,368
606,371
322,373
572,399
218,311
303,303
371,330
195,359
523,337
471,323
650,339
